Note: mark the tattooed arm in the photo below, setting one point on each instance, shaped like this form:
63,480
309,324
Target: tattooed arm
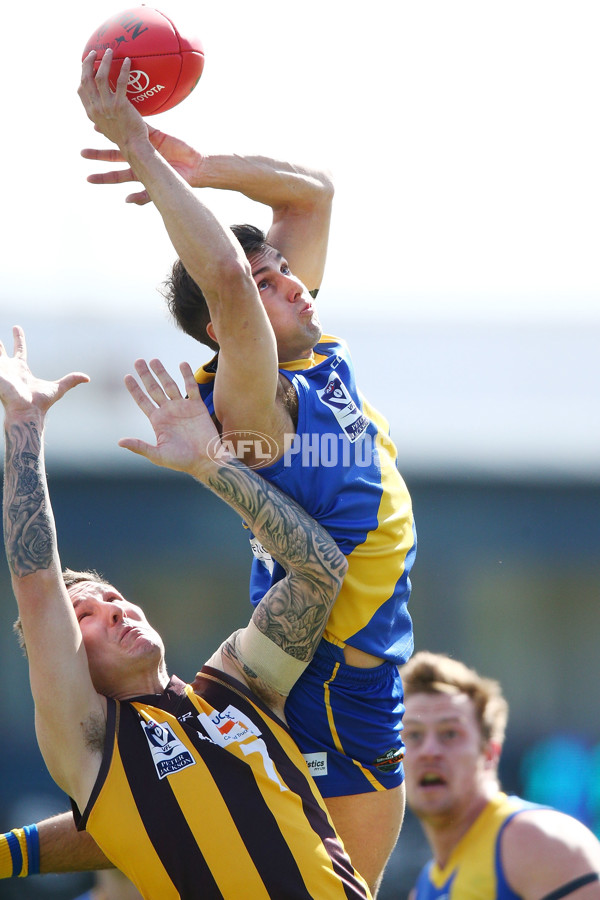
27,516
286,626
59,675
273,650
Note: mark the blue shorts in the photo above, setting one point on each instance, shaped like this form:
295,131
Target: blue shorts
347,722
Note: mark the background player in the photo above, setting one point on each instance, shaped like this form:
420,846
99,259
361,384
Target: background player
486,845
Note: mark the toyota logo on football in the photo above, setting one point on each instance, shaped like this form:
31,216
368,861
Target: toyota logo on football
138,82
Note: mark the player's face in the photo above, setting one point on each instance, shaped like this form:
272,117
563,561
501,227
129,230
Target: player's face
123,649
288,305
446,768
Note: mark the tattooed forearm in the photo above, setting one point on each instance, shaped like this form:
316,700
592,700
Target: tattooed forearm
28,524
264,509
293,615
282,526
294,612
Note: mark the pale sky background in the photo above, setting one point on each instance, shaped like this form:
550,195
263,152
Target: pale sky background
464,141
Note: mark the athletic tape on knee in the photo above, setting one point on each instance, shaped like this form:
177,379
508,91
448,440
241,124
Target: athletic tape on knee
276,667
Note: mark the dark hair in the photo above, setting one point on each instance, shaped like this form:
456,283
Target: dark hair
252,239
185,300
70,577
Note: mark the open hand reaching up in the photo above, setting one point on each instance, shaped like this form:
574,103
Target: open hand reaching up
111,112
186,437
21,391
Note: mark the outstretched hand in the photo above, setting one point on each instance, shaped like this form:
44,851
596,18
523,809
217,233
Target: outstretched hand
186,437
183,158
111,112
21,391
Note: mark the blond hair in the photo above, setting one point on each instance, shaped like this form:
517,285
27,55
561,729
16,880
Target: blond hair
436,673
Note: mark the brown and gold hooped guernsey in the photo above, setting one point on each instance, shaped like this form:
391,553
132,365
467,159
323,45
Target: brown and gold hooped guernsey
202,793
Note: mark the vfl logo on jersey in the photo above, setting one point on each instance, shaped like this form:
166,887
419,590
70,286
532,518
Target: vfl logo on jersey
336,397
169,754
228,726
261,554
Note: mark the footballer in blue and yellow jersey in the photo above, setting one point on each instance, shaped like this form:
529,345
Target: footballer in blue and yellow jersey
474,869
341,466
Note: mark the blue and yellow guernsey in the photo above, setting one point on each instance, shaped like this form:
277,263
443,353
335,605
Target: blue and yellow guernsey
474,870
341,466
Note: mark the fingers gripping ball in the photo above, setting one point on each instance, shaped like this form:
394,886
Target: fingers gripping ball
165,66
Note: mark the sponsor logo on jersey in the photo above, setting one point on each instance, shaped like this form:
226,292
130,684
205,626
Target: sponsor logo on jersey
227,727
389,761
317,763
231,728
169,754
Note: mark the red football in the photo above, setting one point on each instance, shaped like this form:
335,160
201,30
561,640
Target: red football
165,66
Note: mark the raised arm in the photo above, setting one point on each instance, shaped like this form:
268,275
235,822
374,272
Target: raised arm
286,626
299,196
209,252
58,667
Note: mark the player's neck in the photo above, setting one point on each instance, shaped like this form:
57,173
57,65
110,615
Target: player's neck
143,685
445,831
